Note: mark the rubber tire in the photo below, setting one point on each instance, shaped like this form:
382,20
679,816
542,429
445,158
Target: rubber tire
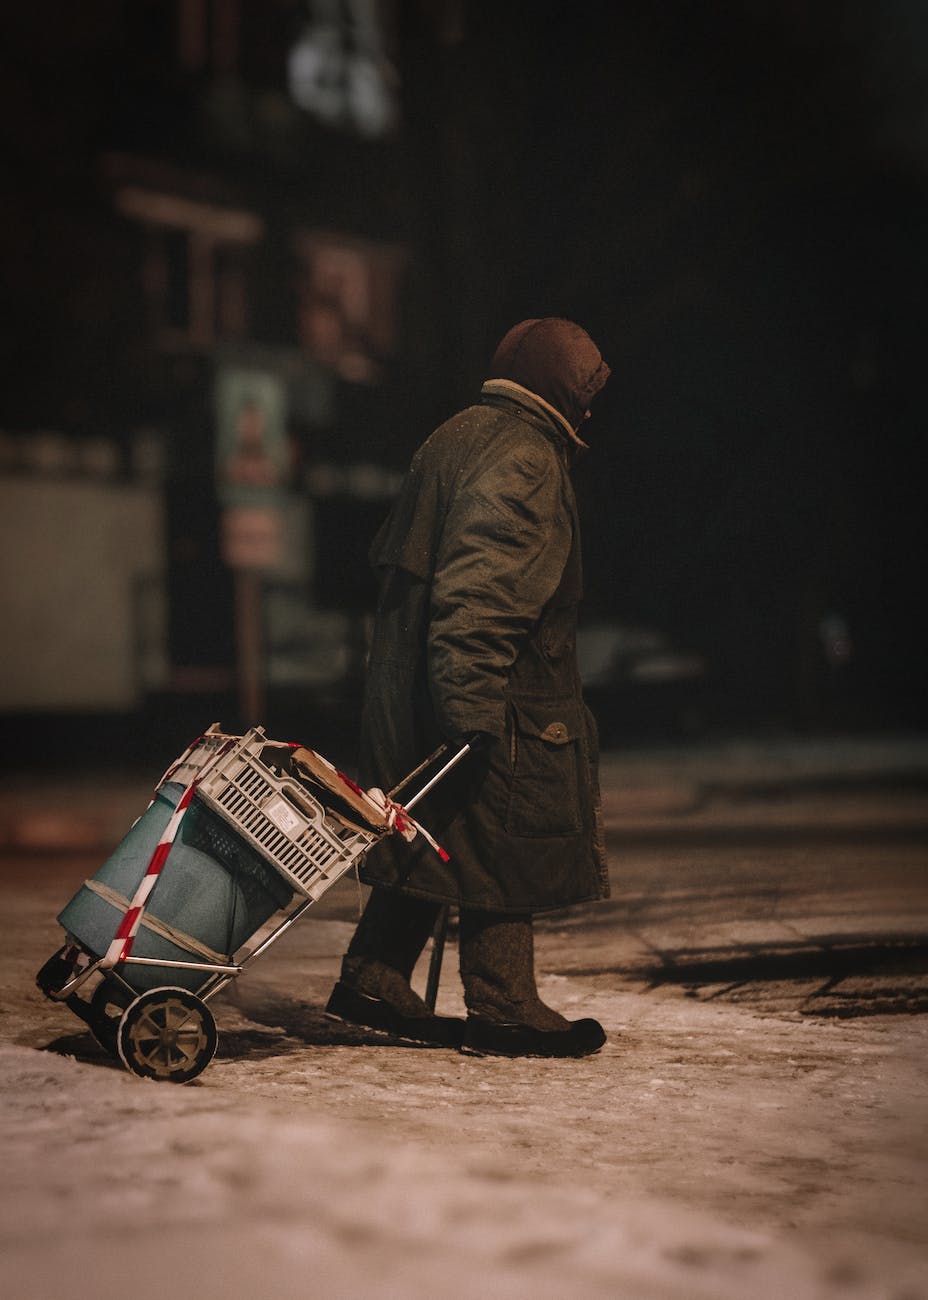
104,1027
167,1034
56,972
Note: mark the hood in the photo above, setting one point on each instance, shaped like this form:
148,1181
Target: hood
555,359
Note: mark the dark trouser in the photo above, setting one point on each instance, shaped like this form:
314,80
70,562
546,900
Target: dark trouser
497,959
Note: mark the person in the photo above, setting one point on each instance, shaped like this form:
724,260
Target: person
475,639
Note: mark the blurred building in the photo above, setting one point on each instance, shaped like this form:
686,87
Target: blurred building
206,304
252,250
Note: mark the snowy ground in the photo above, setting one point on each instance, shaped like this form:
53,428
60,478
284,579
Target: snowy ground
755,1127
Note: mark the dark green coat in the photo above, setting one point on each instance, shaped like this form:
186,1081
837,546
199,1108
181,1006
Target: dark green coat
476,632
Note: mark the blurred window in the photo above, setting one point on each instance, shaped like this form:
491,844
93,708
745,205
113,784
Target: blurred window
208,34
196,265
175,252
348,302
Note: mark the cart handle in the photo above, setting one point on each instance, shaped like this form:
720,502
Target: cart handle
426,762
452,762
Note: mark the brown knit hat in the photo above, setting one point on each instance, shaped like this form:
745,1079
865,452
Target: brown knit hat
555,359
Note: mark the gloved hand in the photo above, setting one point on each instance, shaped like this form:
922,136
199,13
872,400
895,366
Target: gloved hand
476,739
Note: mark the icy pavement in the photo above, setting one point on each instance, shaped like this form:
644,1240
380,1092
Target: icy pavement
191,1193
756,1126
695,1158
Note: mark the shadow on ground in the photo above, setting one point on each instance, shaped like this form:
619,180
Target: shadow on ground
301,1023
825,975
284,1025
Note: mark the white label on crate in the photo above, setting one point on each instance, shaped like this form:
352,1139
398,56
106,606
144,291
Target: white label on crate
284,815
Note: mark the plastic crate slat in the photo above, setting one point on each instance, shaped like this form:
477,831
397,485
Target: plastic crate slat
308,855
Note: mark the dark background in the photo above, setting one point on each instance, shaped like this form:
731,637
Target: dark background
731,198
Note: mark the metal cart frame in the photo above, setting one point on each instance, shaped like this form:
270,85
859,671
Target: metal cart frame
308,821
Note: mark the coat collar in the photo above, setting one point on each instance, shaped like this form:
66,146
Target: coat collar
532,403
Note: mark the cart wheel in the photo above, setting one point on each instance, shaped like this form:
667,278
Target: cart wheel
167,1034
106,1007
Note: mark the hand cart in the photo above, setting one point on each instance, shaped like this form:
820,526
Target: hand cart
242,835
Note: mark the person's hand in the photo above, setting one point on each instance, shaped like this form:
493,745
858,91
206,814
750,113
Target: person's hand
476,739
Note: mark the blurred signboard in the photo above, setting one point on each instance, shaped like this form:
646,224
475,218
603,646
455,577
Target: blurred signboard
252,465
251,537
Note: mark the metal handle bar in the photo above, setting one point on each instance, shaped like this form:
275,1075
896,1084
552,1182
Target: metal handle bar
452,762
427,762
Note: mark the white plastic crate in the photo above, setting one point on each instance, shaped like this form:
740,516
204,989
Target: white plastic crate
275,814
200,753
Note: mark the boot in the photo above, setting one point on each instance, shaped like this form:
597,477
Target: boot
374,990
505,1015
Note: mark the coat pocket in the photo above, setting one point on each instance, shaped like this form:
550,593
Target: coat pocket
544,798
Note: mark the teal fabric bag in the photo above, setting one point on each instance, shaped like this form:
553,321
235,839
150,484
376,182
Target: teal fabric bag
213,892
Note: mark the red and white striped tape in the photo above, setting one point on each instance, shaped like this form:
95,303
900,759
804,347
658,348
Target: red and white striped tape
121,946
398,819
403,822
